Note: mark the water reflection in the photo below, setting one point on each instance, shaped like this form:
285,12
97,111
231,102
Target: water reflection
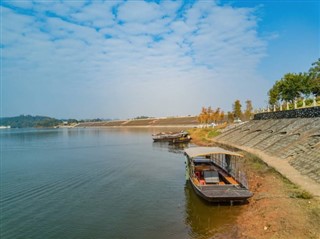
205,220
172,148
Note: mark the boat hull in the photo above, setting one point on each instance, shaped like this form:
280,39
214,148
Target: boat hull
222,193
179,137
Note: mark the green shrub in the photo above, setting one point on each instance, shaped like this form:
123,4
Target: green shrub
300,103
301,194
309,102
213,133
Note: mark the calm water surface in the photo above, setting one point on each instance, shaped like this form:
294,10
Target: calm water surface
100,183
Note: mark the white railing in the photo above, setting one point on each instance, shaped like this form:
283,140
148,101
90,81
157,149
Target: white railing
287,106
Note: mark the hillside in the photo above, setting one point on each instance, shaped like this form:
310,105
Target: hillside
28,121
188,121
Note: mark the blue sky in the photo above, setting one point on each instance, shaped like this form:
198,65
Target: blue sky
122,59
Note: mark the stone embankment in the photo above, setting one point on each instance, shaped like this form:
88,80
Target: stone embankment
290,145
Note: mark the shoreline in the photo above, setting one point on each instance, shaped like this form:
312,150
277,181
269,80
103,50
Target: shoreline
142,126
279,207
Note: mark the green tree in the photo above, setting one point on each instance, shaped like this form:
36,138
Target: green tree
292,86
274,94
314,78
237,109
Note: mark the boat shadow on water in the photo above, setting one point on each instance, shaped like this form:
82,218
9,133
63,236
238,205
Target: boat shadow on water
172,148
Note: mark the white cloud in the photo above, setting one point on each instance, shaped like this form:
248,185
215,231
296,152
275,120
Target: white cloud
139,11
96,14
159,61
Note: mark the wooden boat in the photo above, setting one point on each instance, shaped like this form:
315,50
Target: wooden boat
179,137
180,140
215,176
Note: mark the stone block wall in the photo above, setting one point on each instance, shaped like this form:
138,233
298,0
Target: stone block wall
296,140
311,112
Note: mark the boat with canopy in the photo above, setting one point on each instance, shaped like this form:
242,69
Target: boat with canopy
215,174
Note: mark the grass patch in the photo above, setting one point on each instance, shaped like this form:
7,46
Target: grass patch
213,133
256,163
300,194
315,213
205,134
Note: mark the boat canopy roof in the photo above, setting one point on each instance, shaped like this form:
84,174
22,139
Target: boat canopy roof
203,151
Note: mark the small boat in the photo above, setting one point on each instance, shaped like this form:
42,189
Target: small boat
179,137
215,175
181,140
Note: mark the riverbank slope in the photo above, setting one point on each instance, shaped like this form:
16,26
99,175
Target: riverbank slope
279,208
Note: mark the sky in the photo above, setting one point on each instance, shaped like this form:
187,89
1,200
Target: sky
123,59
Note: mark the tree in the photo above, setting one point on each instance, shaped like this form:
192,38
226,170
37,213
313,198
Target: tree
248,111
221,116
274,94
292,86
230,116
203,117
210,114
314,78
216,114
237,109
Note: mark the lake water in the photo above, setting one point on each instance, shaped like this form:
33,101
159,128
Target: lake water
100,183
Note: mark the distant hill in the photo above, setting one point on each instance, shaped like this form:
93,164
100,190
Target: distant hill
28,121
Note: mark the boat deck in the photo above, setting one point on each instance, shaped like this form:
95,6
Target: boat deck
223,177
228,192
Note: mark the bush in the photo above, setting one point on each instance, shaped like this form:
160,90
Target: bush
299,103
309,102
301,194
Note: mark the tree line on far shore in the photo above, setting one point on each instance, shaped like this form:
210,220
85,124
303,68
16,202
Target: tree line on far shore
28,121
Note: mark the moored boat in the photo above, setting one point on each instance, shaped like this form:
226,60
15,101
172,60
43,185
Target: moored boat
173,137
215,175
